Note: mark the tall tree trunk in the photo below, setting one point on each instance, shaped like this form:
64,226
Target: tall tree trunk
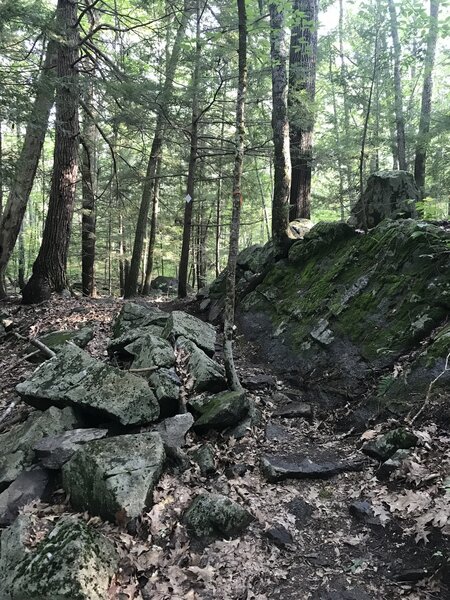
232,377
50,266
427,93
346,103
88,177
337,134
399,116
220,185
190,188
301,98
153,228
131,282
280,125
27,162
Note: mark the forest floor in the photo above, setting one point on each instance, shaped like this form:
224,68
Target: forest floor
304,543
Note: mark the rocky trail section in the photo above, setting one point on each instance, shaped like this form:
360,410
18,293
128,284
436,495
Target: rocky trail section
247,495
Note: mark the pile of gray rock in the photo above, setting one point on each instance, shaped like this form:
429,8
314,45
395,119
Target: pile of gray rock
106,434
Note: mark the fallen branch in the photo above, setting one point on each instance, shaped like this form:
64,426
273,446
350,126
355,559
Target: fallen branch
35,342
21,360
8,411
430,389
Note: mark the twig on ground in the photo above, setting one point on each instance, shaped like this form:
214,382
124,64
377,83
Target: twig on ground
34,342
21,360
143,370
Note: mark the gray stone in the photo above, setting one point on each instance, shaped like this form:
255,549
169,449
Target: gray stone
151,351
119,343
223,410
363,511
167,285
55,340
293,466
322,333
180,324
208,375
174,429
166,385
301,510
384,446
17,444
243,427
115,476
32,485
299,228
134,316
279,433
293,410
279,535
53,451
212,515
388,194
257,381
76,379
73,562
392,464
204,457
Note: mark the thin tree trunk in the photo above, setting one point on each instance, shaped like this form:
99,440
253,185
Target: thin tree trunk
164,101
28,161
219,186
346,103
50,266
88,176
280,125
230,298
190,189
153,228
423,136
399,116
337,134
301,98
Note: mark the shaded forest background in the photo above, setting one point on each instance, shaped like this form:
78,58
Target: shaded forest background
124,66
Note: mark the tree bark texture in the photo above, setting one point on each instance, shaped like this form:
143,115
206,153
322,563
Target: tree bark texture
423,136
301,99
280,126
28,161
230,298
50,266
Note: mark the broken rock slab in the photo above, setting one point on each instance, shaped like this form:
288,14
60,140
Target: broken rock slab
208,375
150,351
297,466
222,411
73,562
119,344
53,451
135,316
293,410
76,379
166,385
212,515
55,340
174,429
30,486
17,444
180,324
115,476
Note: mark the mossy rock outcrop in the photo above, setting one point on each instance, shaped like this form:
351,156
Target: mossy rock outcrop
73,562
76,379
212,515
345,306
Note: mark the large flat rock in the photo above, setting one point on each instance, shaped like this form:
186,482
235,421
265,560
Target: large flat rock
222,410
180,324
207,374
114,477
151,351
76,379
294,466
17,444
73,562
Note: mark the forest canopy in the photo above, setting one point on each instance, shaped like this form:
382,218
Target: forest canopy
148,103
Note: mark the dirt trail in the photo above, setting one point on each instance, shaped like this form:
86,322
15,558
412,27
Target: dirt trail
304,542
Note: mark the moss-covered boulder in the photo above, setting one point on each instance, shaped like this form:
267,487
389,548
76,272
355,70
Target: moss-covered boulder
17,444
388,195
76,379
119,344
222,410
335,313
150,351
55,340
180,324
207,374
73,562
115,477
135,316
212,515
386,445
